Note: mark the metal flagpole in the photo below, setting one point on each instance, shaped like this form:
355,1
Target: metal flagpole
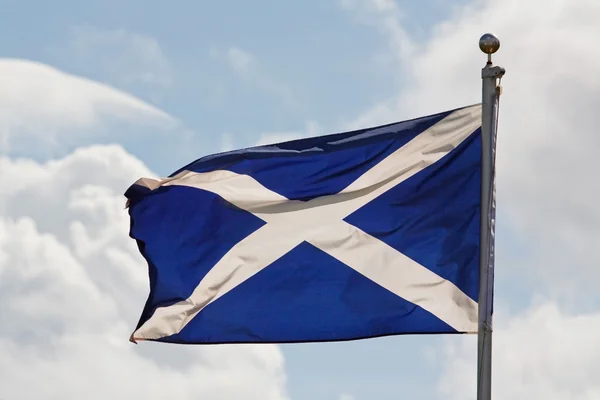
490,76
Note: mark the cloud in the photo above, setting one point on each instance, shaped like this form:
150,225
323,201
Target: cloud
541,353
123,57
547,186
72,285
547,141
41,104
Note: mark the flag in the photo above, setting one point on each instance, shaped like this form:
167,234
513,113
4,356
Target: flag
346,236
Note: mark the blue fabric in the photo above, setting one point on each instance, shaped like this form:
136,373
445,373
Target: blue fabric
307,295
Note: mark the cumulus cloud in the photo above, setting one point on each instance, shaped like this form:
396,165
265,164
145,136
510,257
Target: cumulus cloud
547,186
547,139
41,104
542,353
72,286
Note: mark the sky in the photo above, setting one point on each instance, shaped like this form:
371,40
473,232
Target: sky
94,95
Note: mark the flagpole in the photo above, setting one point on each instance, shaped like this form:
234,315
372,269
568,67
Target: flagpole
490,76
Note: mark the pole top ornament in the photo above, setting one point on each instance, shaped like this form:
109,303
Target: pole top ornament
489,44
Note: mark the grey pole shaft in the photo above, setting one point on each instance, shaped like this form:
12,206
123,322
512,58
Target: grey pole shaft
490,91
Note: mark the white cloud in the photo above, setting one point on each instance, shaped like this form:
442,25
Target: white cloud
547,141
72,285
121,56
547,184
542,353
42,104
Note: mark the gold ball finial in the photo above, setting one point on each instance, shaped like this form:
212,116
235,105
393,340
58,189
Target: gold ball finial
489,43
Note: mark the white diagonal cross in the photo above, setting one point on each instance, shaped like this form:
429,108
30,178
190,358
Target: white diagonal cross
320,223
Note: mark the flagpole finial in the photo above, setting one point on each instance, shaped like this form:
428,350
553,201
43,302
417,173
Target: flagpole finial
489,44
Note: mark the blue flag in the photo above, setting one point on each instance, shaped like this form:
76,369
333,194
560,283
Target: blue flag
347,236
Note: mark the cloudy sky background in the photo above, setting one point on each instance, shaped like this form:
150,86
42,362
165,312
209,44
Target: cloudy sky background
94,95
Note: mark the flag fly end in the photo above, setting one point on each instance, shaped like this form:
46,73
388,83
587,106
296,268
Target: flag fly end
132,339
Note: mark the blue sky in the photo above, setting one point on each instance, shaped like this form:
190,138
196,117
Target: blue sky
311,61
230,74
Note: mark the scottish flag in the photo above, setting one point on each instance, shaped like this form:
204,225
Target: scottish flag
347,236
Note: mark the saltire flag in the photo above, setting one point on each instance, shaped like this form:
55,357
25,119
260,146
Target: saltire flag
347,236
